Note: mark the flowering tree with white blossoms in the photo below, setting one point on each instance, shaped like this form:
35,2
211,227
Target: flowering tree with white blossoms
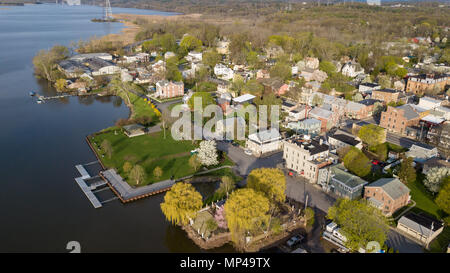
435,177
207,153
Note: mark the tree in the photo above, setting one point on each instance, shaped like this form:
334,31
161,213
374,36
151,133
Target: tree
107,148
270,182
181,203
253,87
384,81
211,225
166,120
127,166
60,85
190,42
227,184
157,172
309,216
359,222
44,62
206,97
443,198
357,162
172,71
407,173
317,100
434,178
137,174
372,134
246,210
281,70
327,67
194,162
211,58
207,153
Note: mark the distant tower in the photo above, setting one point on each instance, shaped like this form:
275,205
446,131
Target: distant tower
107,11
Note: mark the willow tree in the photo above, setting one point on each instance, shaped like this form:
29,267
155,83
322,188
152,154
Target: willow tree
270,182
246,210
181,203
138,174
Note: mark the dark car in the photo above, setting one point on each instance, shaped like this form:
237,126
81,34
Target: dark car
235,144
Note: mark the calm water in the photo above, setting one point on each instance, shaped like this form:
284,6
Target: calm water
41,206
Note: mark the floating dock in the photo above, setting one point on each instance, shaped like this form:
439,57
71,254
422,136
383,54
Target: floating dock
87,189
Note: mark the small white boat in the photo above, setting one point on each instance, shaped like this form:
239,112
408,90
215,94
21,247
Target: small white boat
39,101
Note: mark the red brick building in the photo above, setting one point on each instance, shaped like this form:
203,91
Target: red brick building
166,89
387,194
396,119
427,83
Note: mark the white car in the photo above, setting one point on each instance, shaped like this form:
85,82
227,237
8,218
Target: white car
248,152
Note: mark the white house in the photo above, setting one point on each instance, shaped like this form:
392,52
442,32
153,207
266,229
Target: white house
223,72
169,54
194,56
367,87
422,152
264,142
429,103
352,69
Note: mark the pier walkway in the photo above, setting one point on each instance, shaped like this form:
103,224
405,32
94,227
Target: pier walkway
87,189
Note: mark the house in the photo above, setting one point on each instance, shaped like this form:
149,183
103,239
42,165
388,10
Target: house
224,101
246,98
367,87
159,66
370,104
341,139
274,85
274,51
308,62
439,135
103,56
358,110
223,72
168,55
125,76
422,227
298,113
387,194
421,152
264,142
168,89
429,103
140,57
223,86
397,119
194,56
288,106
262,74
427,83
325,116
133,130
307,74
388,95
338,180
309,126
306,156
435,162
352,69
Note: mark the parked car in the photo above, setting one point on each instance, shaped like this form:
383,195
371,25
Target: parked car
375,162
295,240
235,143
248,152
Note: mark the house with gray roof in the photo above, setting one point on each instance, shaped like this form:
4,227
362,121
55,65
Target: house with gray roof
338,180
387,194
421,227
421,152
264,142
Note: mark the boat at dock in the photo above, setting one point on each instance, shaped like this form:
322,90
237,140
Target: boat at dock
32,93
39,101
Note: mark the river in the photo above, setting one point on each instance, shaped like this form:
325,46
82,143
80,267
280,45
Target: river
41,206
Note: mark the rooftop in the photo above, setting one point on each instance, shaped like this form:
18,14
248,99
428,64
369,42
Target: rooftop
313,146
346,139
420,222
244,98
392,186
340,174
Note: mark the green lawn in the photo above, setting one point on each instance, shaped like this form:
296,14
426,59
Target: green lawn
424,200
149,151
441,242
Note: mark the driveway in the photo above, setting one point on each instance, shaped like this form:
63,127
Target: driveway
402,243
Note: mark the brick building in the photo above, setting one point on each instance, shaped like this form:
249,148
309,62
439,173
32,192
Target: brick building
387,194
166,89
396,119
388,95
427,83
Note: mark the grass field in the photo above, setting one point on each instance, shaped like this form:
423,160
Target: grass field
423,199
149,151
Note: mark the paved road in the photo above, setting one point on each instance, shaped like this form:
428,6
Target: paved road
402,243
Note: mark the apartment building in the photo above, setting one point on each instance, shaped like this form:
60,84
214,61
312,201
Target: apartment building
426,83
396,119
